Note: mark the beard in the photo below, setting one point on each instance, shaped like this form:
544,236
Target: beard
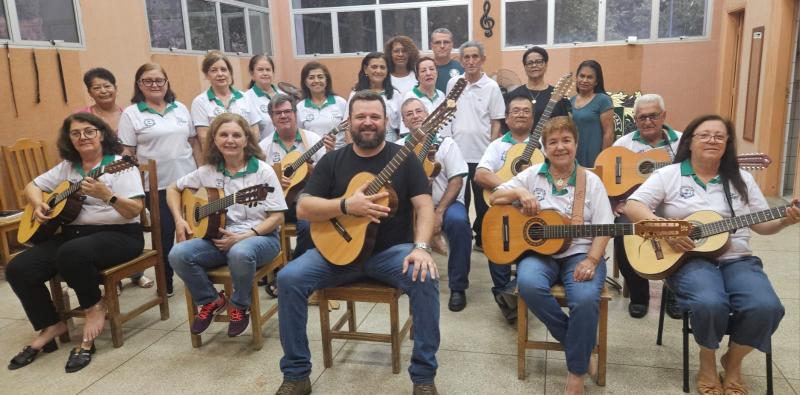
366,143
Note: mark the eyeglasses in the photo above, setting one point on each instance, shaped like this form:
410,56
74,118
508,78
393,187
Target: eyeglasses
88,133
282,112
706,138
537,62
442,43
159,82
520,111
648,117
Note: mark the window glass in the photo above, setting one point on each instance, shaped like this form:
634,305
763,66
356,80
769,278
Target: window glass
356,31
166,24
329,3
262,3
203,25
575,20
519,29
3,23
402,23
627,18
44,20
259,32
455,18
313,33
681,18
234,33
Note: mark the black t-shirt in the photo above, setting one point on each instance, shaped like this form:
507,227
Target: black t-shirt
563,107
333,173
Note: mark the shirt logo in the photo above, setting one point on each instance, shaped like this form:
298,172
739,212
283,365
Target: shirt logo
453,73
539,193
309,117
149,123
336,115
276,157
220,182
218,111
263,108
687,192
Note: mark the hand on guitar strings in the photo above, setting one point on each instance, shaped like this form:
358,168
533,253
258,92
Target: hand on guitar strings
584,271
285,181
229,239
183,231
361,205
95,189
329,142
792,213
41,212
423,265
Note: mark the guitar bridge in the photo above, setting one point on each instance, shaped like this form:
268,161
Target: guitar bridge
657,248
618,170
341,230
505,234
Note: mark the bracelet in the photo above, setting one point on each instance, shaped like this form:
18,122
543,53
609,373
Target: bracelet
255,231
343,206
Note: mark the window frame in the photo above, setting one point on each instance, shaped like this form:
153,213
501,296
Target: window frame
377,9
246,8
15,40
601,28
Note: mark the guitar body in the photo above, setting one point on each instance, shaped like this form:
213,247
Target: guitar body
298,177
656,260
506,238
514,165
191,200
622,170
31,230
346,238
429,164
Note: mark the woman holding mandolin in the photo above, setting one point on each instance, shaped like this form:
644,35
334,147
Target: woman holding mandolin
581,268
108,217
233,162
728,293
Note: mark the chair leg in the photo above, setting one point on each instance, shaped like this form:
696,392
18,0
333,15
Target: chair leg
161,289
113,313
602,351
255,318
197,340
522,336
351,317
394,323
769,373
661,310
685,352
325,324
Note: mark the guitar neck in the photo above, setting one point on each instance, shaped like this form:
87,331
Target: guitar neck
216,206
387,172
579,231
426,146
307,155
533,140
742,221
95,173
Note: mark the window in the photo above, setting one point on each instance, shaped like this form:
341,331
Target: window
47,22
352,26
233,26
554,22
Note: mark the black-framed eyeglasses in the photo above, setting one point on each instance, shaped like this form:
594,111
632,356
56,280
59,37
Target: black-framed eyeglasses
648,117
159,82
279,113
537,62
88,133
706,138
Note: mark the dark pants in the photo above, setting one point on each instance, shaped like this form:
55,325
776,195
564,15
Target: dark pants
480,204
167,232
78,254
639,287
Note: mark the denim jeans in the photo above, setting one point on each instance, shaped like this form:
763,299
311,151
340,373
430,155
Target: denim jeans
455,225
311,271
191,258
536,274
474,190
735,297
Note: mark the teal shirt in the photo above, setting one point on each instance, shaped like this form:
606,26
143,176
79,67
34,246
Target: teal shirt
590,131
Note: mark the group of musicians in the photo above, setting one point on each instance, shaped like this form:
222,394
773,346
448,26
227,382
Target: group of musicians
220,145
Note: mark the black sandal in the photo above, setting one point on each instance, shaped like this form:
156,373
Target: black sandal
79,358
272,289
29,354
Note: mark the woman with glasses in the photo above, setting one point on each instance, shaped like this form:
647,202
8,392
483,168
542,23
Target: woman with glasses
105,233
593,112
157,126
728,293
537,89
262,71
321,110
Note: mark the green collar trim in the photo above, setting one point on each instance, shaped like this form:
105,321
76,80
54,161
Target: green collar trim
688,170
420,94
329,101
143,107
671,137
546,171
277,139
235,95
252,167
509,138
260,93
107,159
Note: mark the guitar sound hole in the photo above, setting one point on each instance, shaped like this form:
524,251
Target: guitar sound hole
520,165
287,172
196,214
646,167
535,232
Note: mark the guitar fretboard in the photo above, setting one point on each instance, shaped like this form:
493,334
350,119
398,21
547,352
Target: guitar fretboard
215,206
577,231
94,173
533,140
316,147
742,221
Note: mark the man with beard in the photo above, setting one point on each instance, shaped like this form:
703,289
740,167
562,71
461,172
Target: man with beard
401,255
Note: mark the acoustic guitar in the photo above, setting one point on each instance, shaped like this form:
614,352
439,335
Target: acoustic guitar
65,204
346,239
427,157
623,170
521,156
508,234
204,208
656,260
295,165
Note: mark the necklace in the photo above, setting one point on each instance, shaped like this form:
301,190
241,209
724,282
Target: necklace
533,98
561,181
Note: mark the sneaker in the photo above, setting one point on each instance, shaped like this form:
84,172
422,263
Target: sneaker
203,319
239,320
302,387
673,310
425,389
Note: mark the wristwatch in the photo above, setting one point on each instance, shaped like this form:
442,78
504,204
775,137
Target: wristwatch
423,246
112,200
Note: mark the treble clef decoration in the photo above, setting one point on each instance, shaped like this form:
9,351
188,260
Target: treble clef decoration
487,22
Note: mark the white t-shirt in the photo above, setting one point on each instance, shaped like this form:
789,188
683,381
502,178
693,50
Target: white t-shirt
495,155
448,155
392,109
206,106
240,217
634,142
677,194
404,84
164,138
596,209
126,183
430,104
275,151
260,100
322,120
479,104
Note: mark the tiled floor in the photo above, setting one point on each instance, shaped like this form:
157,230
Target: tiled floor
477,353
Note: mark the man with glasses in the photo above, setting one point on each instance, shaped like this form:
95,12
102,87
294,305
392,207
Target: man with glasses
442,46
651,133
537,90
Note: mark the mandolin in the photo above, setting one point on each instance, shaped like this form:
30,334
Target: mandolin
346,239
623,170
655,260
295,165
508,234
521,156
65,204
204,208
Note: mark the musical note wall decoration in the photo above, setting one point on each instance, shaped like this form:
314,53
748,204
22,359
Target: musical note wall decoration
487,22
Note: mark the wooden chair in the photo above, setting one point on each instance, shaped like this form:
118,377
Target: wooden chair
222,275
25,160
110,277
601,349
288,230
370,291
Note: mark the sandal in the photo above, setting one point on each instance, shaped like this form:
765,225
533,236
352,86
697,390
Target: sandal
29,354
79,358
272,289
144,282
709,388
733,388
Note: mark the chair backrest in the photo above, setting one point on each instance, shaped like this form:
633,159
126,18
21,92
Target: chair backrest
25,160
153,223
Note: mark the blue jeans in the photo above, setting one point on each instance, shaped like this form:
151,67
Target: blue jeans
311,271
191,258
735,297
536,274
455,226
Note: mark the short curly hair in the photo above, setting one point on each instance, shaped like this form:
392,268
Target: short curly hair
66,149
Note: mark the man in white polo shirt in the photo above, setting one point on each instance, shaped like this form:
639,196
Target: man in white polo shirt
480,109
